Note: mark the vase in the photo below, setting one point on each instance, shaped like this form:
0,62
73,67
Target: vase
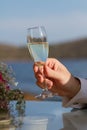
4,113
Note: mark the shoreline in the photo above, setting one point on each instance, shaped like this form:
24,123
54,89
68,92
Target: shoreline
30,96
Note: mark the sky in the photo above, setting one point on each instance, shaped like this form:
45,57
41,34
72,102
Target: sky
63,19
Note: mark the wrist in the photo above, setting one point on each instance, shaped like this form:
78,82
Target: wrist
75,87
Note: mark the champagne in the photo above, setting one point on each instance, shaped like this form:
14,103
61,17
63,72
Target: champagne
39,48
38,51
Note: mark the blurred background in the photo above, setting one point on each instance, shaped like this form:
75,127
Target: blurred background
66,25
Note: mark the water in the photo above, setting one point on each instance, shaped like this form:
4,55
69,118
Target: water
25,76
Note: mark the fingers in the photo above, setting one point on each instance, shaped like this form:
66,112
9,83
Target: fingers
51,88
46,83
38,70
38,67
35,68
40,78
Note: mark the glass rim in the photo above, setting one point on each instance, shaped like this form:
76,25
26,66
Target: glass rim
34,27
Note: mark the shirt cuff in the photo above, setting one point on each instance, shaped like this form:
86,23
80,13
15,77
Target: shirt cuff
80,99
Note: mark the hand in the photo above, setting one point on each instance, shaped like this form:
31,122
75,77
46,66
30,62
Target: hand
58,79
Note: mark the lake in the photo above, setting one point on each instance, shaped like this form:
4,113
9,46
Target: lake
25,76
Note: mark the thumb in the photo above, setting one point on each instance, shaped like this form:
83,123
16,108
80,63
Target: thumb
50,73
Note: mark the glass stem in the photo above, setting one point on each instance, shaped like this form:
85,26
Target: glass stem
45,92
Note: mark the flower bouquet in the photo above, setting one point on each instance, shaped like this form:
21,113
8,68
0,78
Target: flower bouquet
7,93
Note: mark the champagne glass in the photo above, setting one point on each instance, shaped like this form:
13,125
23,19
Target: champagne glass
39,48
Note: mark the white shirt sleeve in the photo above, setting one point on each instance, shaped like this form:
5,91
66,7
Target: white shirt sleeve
79,100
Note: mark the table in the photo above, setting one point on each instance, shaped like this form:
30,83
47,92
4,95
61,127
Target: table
59,118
